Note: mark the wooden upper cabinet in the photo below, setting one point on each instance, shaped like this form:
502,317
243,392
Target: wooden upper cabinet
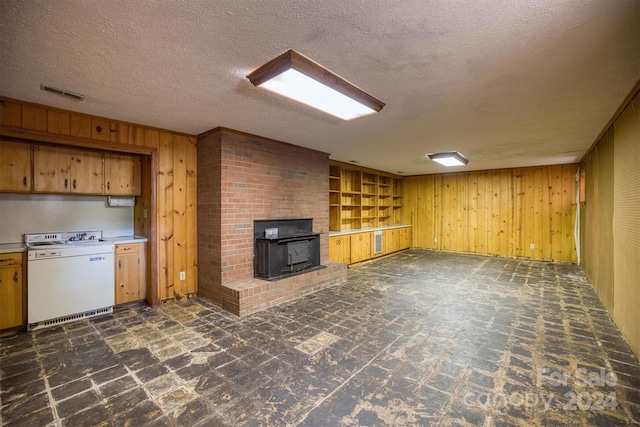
122,174
61,170
51,169
15,166
87,172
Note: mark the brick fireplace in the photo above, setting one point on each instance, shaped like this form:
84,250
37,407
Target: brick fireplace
243,178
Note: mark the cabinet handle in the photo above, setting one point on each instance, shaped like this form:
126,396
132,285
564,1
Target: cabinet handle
24,181
5,260
119,264
108,185
126,249
15,277
66,183
74,184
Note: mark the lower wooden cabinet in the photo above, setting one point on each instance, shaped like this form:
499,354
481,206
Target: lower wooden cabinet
406,238
131,277
340,249
12,313
358,247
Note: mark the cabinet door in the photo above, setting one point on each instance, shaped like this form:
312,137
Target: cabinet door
122,174
387,245
405,238
130,273
361,247
391,240
15,166
11,291
127,278
340,249
51,167
87,172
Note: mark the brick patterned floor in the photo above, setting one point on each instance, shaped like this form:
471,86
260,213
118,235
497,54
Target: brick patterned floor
419,338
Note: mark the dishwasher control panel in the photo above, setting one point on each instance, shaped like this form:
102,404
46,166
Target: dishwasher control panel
45,253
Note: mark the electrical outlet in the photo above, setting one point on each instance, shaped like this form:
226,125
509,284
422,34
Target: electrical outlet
435,239
183,275
144,213
532,246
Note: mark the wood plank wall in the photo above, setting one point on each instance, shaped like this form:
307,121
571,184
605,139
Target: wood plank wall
610,240
497,212
175,156
597,219
626,223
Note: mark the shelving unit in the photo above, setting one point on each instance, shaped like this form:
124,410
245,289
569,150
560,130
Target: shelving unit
369,200
386,200
363,199
334,198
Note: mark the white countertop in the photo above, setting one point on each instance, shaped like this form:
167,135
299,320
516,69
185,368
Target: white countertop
118,240
6,248
365,230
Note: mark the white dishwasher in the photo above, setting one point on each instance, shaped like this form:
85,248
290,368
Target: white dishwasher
68,280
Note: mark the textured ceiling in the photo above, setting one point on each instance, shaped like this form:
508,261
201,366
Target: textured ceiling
506,82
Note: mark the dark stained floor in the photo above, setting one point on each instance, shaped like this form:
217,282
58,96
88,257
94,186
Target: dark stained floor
419,338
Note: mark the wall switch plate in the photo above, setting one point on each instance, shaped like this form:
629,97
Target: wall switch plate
532,246
183,275
435,239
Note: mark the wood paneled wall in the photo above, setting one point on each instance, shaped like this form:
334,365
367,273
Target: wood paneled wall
498,212
169,172
596,219
610,220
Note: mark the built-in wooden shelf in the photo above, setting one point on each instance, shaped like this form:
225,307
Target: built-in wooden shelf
360,198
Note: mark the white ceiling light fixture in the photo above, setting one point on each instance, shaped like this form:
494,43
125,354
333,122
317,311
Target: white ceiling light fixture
295,76
452,158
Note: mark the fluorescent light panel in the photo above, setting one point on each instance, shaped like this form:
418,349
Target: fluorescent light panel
297,77
449,159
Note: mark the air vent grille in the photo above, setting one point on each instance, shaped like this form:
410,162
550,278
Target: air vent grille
69,318
72,95
377,242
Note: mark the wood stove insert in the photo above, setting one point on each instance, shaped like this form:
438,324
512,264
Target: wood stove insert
285,247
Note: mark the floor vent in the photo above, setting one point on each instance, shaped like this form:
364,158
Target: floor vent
69,318
76,96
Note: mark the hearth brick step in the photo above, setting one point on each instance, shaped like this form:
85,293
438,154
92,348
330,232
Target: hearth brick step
250,295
